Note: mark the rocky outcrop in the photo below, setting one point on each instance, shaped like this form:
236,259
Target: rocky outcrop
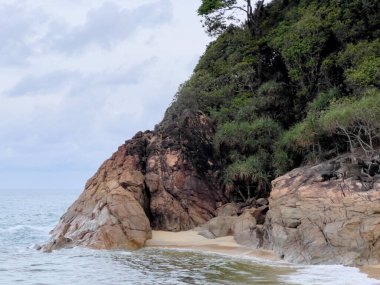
162,180
313,220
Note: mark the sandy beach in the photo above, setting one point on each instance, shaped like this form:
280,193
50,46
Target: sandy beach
192,240
225,245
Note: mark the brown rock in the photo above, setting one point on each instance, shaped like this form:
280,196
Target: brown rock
314,221
105,216
258,214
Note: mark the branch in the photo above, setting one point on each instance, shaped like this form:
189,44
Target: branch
238,8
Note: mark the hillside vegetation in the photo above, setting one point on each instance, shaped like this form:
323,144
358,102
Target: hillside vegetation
302,87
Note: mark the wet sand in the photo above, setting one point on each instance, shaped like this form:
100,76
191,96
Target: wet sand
191,240
372,271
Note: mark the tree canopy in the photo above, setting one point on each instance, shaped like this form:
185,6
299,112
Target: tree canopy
218,14
286,87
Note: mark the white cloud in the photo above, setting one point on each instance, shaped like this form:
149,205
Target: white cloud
80,77
18,29
109,24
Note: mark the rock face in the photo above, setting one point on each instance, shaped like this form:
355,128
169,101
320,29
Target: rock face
162,180
315,221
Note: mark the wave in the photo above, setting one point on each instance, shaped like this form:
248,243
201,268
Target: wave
298,274
329,275
22,228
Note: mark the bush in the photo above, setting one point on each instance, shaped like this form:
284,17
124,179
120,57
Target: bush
272,99
243,176
302,141
247,137
239,109
357,120
361,62
322,101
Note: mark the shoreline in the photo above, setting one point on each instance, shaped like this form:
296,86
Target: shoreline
226,245
192,240
372,271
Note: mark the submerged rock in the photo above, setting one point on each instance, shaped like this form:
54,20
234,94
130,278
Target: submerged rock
157,180
313,221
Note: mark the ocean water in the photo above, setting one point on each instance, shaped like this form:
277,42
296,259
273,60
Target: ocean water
26,217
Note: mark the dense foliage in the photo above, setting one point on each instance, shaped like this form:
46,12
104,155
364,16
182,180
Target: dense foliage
303,89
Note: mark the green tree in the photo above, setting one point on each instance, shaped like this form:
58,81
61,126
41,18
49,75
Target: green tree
361,62
301,44
247,137
218,14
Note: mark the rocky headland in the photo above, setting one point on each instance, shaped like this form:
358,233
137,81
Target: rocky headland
163,180
167,179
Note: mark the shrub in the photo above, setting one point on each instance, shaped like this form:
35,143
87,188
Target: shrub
358,120
272,99
242,176
322,101
361,62
247,137
302,140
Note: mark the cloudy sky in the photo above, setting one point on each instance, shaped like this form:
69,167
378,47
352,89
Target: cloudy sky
79,77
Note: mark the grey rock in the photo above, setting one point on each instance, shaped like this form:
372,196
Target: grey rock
207,234
244,229
221,226
229,209
262,202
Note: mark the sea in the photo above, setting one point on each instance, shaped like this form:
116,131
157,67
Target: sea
27,216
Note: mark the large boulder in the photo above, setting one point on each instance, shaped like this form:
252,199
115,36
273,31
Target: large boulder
244,229
314,220
160,180
221,226
218,227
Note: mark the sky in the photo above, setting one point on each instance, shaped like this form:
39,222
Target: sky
80,77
